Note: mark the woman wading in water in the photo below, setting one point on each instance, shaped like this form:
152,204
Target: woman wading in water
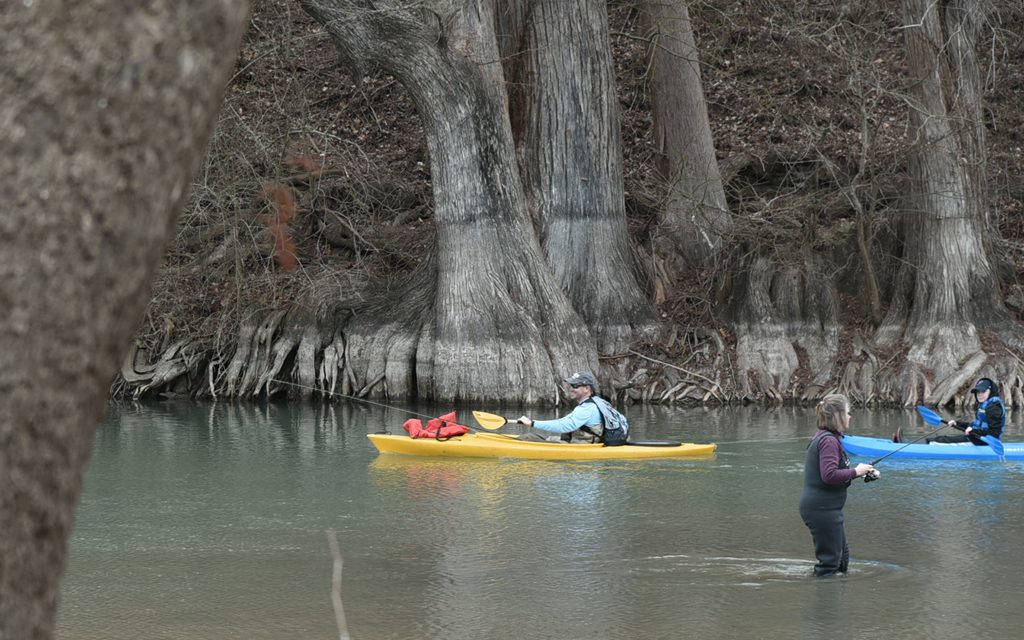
827,474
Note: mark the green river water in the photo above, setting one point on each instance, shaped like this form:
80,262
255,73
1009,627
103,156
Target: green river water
209,521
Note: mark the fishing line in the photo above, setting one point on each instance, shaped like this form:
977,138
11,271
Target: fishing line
358,399
376,404
762,441
420,415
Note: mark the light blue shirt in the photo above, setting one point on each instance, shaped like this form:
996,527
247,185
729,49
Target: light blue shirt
586,414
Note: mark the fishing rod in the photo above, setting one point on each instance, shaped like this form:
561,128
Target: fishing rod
931,417
915,440
873,475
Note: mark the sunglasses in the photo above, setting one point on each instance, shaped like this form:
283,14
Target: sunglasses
577,386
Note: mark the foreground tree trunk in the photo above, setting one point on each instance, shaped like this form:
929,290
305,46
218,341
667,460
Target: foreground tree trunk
485,319
950,289
567,127
695,214
107,107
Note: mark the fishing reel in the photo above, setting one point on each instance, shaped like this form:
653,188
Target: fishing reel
872,475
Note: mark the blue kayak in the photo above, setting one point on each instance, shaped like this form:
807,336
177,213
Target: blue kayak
878,447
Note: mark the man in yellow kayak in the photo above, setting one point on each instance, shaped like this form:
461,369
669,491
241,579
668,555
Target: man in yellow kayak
592,420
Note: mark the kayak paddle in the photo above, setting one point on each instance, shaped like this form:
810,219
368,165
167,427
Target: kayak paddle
491,421
933,418
930,416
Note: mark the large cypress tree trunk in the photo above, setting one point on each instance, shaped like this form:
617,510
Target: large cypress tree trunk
486,320
106,111
952,290
776,309
567,129
695,214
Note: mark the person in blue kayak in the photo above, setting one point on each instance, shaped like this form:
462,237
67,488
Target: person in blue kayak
592,420
827,475
988,421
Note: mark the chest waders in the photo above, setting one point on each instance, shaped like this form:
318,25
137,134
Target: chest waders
821,507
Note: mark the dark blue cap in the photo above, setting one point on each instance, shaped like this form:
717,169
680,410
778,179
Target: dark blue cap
983,385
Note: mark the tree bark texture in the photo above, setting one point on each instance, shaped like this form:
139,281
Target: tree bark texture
775,310
696,214
490,322
953,290
567,128
106,111
473,34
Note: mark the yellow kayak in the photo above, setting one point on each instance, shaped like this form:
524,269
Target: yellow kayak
492,445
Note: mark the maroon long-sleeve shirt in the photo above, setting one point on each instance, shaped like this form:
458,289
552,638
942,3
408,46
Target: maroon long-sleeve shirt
829,454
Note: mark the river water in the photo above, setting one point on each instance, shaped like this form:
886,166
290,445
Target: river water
209,521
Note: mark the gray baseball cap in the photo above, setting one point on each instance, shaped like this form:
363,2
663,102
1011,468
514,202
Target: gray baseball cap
582,377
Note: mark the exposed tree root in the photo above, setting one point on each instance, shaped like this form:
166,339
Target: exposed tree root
279,352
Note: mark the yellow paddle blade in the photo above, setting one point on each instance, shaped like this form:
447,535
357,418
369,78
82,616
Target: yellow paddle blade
490,421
